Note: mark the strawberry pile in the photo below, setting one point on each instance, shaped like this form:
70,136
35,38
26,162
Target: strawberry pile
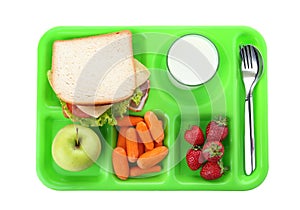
207,153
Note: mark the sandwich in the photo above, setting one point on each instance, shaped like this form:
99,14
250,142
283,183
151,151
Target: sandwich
97,79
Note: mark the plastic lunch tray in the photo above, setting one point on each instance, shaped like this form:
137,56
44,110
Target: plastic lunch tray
178,108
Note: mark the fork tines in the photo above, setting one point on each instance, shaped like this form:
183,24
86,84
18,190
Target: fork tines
248,55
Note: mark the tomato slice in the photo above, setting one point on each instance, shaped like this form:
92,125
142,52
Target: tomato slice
65,114
76,111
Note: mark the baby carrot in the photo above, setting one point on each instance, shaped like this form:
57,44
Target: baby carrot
149,146
141,148
132,145
145,136
161,123
122,130
143,132
155,126
128,120
161,142
151,158
158,144
121,142
120,163
137,171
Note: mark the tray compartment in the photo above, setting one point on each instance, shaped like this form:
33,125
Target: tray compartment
155,178
183,173
52,123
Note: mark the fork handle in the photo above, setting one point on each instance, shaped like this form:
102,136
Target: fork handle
249,136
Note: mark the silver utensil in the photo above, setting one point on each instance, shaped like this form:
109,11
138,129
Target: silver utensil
252,67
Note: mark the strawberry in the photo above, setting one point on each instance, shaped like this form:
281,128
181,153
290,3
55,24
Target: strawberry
213,151
194,136
194,158
212,170
217,129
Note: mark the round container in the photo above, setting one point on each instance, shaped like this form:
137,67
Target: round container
192,60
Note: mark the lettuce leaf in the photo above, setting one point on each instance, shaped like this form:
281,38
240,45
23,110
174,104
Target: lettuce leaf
105,118
119,109
137,96
108,117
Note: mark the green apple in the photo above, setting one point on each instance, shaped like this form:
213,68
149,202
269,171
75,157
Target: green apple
75,147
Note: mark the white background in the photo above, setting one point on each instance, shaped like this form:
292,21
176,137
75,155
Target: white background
24,22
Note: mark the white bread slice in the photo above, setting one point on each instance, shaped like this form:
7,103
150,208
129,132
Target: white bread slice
94,70
142,75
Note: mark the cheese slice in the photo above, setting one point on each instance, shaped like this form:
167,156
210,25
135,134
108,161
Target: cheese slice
94,111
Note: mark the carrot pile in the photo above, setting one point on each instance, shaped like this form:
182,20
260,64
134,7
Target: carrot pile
139,147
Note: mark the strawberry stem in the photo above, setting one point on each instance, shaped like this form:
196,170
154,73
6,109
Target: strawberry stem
221,120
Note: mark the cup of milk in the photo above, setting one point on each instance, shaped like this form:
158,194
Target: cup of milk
192,60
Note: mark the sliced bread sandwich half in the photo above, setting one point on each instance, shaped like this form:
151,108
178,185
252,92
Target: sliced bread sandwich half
97,79
94,70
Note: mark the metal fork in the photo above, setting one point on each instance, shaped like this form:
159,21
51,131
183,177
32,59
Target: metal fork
252,67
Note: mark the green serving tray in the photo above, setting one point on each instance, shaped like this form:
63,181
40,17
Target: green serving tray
178,108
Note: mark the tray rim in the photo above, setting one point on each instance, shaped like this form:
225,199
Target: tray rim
41,174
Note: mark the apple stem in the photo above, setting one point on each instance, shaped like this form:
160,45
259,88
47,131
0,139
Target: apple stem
77,138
